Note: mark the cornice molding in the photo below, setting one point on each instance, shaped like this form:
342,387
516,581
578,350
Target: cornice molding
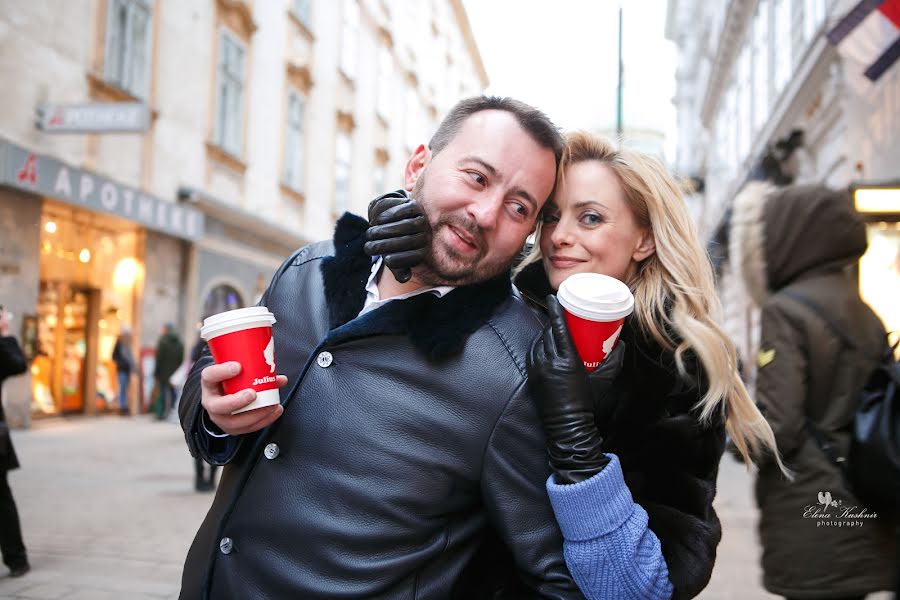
737,19
471,45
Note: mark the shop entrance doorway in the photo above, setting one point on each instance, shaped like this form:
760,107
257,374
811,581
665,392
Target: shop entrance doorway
90,281
67,351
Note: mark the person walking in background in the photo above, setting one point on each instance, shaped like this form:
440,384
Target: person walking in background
169,354
795,247
205,473
124,359
12,362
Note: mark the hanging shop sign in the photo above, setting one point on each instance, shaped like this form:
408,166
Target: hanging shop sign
33,172
96,117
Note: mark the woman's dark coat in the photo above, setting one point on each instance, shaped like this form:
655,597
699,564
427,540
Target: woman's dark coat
802,240
670,461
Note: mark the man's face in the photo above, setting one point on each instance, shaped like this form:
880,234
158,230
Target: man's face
482,195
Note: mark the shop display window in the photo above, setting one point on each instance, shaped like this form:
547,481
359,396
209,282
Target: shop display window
879,273
90,277
220,299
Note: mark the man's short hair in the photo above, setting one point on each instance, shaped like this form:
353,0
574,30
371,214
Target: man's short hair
534,122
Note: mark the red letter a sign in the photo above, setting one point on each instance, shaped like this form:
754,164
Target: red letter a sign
29,170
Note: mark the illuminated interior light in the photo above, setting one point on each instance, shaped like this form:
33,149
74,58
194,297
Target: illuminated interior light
126,273
877,200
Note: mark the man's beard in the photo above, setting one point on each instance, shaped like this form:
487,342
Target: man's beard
443,265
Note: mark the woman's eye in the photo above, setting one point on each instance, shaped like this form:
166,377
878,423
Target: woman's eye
549,218
591,219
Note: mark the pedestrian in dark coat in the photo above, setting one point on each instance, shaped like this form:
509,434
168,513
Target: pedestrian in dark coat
169,356
204,474
806,240
124,359
12,362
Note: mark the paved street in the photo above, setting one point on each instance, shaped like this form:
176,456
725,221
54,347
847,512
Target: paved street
108,512
108,509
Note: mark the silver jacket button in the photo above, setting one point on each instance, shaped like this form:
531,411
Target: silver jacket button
271,451
226,545
325,359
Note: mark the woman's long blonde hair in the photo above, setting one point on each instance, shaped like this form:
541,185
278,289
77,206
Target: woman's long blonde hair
674,292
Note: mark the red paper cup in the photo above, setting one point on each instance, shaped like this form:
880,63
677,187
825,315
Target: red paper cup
595,306
245,335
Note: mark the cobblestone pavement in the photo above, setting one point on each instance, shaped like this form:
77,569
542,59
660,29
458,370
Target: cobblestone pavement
108,511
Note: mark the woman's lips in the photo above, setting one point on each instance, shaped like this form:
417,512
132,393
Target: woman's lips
563,262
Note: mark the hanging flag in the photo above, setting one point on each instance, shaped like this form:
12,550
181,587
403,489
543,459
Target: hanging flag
870,35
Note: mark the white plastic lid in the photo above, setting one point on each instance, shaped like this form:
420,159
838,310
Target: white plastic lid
596,297
234,320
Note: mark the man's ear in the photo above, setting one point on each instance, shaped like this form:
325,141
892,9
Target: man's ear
415,165
646,246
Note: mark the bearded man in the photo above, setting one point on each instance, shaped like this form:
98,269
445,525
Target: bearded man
405,430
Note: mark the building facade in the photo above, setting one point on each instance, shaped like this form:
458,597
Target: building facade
258,123
753,73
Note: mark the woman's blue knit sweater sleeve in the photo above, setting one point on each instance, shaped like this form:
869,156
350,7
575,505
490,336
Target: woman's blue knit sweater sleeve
608,547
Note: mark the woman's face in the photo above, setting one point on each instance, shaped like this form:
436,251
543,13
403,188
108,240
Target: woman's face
589,227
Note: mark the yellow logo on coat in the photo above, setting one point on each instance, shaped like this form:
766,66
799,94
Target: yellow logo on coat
764,357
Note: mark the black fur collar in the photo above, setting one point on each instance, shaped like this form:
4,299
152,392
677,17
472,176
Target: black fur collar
438,327
534,285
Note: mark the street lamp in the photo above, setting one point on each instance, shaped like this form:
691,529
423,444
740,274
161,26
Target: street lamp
877,198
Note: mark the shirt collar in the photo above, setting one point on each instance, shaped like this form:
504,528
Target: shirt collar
373,299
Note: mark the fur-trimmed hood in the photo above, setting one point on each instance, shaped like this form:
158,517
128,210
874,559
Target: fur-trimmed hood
779,235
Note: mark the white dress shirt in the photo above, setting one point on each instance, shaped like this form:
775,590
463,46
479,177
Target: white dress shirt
373,299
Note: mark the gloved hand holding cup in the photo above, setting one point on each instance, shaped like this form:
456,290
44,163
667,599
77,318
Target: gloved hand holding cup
595,309
245,336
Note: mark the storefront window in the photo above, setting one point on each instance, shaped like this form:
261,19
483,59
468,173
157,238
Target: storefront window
220,299
89,274
879,273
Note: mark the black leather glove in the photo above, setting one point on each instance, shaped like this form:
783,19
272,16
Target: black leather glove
398,231
565,394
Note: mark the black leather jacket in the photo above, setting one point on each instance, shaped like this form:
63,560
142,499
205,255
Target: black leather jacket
670,459
396,449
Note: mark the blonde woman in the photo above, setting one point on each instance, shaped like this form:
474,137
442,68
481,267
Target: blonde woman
635,446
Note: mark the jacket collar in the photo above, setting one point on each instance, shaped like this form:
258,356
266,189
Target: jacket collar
438,327
533,284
